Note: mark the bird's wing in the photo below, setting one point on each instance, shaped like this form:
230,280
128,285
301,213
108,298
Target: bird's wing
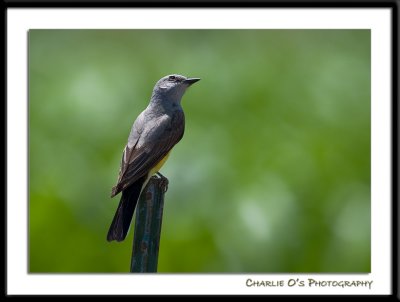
151,147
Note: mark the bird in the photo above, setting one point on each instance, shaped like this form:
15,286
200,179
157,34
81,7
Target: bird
154,133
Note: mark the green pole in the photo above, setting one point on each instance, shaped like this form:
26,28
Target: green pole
149,213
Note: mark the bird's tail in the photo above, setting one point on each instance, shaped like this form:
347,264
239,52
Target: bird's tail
123,217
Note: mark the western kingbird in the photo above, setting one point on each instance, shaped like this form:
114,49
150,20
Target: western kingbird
154,133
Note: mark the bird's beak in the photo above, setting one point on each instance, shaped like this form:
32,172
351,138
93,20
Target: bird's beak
191,81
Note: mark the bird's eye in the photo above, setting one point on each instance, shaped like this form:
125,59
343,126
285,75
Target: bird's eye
171,78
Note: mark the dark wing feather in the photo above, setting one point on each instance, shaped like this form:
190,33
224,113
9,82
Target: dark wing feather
136,162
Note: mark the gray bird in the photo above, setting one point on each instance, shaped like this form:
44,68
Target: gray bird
154,133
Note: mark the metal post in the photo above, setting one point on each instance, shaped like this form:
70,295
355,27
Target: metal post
149,213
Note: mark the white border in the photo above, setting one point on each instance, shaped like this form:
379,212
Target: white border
19,21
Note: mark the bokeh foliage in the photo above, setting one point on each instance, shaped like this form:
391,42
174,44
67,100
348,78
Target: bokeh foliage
272,175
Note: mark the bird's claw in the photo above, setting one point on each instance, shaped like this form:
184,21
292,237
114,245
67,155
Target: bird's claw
163,182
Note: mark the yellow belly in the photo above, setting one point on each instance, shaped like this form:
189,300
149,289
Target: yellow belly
157,167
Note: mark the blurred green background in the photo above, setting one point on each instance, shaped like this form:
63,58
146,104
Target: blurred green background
272,175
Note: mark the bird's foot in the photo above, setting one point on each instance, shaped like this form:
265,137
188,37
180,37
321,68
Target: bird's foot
163,182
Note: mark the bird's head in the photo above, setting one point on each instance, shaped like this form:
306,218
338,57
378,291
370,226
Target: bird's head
173,86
